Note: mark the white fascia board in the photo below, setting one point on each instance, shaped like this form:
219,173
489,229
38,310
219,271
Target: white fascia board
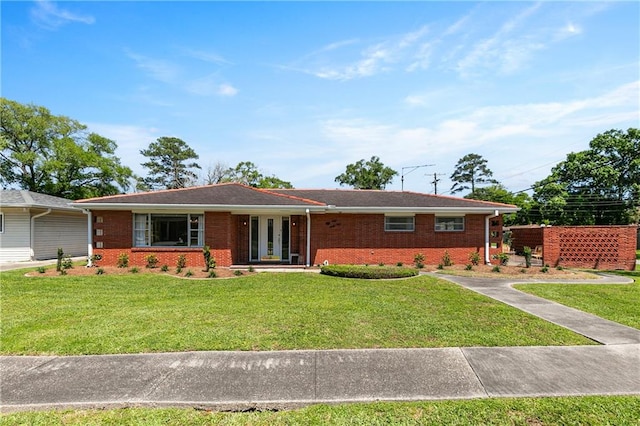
423,210
190,208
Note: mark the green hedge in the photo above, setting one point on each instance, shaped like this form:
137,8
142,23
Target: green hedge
368,272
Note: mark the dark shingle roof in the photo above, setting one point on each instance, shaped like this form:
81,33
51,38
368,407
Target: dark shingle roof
23,198
232,194
237,195
373,198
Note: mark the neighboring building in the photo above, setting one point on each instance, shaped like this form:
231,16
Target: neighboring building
33,226
244,225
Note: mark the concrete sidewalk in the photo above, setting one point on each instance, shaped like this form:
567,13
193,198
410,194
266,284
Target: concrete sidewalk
287,379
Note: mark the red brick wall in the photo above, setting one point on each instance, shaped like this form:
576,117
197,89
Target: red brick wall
361,239
337,238
595,247
525,236
117,238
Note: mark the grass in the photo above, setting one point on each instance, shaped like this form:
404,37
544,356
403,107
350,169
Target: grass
103,314
587,410
617,303
637,254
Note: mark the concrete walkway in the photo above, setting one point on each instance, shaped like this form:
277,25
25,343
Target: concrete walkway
589,325
287,379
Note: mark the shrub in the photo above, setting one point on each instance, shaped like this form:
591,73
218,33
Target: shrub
496,268
67,263
59,262
368,272
134,270
165,268
251,269
474,258
99,271
209,261
523,271
123,260
63,272
440,266
468,267
446,259
212,274
41,269
545,269
527,256
152,260
399,264
381,264
237,272
178,270
560,268
189,273
502,257
419,259
182,262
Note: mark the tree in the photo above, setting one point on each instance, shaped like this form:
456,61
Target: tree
247,173
598,186
497,193
370,175
215,173
470,171
167,164
54,155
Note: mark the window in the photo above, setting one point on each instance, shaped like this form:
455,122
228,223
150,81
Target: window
399,223
1,223
168,230
449,223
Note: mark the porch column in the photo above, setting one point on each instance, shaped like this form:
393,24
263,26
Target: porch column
487,254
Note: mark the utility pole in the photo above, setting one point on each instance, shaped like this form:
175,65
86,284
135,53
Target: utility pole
435,181
412,168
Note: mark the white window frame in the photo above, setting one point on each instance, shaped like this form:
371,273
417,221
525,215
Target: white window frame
389,225
449,224
144,227
1,223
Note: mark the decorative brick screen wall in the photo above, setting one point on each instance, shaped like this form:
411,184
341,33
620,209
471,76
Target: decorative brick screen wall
595,247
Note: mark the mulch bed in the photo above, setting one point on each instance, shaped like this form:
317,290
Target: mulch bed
534,272
197,272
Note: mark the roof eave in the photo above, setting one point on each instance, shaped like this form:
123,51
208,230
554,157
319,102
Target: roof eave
424,210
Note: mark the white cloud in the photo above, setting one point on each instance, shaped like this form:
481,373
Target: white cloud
47,14
205,56
157,69
227,90
130,140
371,60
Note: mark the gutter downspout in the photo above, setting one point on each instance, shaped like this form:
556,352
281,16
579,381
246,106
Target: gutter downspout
487,255
33,232
89,242
308,239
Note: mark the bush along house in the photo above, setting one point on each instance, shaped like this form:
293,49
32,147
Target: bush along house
244,226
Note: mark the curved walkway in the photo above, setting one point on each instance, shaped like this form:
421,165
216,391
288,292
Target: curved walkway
230,380
595,328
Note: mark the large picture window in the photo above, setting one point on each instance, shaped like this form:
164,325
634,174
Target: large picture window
399,223
449,223
169,230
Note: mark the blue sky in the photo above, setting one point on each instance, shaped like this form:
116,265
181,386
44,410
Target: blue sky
304,88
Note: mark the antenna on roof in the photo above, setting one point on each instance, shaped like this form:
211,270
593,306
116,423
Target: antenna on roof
412,168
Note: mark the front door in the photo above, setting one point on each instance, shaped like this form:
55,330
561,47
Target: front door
270,238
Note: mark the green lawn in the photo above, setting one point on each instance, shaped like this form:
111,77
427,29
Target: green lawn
617,303
156,313
591,410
